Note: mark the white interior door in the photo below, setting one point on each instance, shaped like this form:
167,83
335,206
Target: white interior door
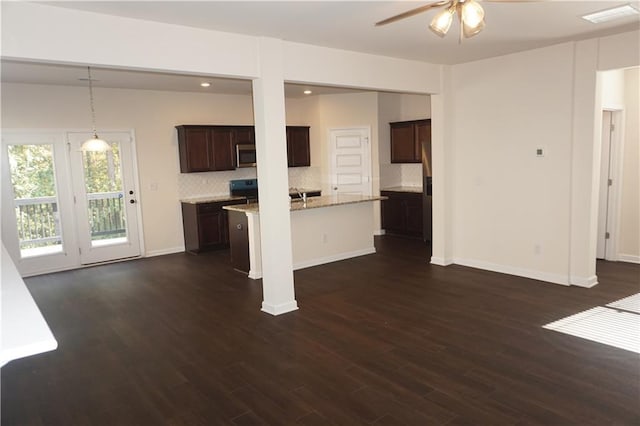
350,161
105,196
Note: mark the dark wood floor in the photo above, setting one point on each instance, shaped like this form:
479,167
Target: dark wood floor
382,339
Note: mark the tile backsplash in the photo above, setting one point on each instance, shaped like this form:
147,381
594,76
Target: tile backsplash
400,175
207,184
411,174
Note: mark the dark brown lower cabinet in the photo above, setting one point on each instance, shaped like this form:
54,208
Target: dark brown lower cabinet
206,226
239,240
402,213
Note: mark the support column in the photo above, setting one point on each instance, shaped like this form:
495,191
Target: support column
442,167
585,166
271,153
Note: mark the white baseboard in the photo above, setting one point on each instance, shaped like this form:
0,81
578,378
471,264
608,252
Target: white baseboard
631,258
280,309
510,270
333,258
378,232
255,274
586,282
441,261
162,252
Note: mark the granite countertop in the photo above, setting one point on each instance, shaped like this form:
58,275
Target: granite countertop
303,190
212,199
312,203
416,189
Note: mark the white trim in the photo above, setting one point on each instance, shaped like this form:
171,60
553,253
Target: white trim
333,258
379,232
163,252
631,258
441,261
280,309
586,282
256,274
510,270
615,192
76,267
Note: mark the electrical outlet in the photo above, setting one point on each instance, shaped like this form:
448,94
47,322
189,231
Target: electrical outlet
324,238
537,249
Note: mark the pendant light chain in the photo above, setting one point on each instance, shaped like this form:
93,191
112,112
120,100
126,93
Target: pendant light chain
93,110
94,144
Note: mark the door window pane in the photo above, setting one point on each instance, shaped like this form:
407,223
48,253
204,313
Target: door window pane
105,196
35,198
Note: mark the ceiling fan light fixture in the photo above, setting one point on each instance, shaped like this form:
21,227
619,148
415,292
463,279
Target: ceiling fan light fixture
470,31
472,15
442,21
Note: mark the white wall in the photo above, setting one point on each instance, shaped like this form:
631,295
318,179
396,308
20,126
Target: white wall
612,83
629,233
511,207
513,212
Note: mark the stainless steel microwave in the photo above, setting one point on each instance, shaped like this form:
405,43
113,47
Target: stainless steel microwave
245,155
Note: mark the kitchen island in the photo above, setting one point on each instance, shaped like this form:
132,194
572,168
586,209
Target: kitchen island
323,229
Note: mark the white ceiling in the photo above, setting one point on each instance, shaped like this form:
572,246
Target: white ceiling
349,25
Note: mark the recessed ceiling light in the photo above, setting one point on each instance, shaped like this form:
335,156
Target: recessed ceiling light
205,84
611,14
307,92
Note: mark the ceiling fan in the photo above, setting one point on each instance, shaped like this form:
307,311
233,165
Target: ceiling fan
470,15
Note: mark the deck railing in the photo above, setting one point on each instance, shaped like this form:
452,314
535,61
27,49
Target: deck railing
38,219
38,222
106,215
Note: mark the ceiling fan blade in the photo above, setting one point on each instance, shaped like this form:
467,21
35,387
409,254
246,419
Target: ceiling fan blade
412,12
515,1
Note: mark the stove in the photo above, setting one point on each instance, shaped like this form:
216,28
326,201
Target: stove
244,188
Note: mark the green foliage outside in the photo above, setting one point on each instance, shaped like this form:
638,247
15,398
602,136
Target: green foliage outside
32,176
32,171
102,170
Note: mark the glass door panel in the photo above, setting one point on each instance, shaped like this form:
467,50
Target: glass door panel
105,196
35,198
38,226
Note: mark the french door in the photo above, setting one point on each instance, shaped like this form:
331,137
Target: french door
62,207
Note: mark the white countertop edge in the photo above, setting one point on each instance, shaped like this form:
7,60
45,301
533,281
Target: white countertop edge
24,330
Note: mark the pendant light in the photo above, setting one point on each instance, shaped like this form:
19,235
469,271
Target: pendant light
94,144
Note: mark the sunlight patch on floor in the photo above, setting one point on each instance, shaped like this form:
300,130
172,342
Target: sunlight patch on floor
616,324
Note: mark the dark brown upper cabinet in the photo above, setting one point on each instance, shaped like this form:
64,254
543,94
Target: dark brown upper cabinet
298,148
206,148
407,139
